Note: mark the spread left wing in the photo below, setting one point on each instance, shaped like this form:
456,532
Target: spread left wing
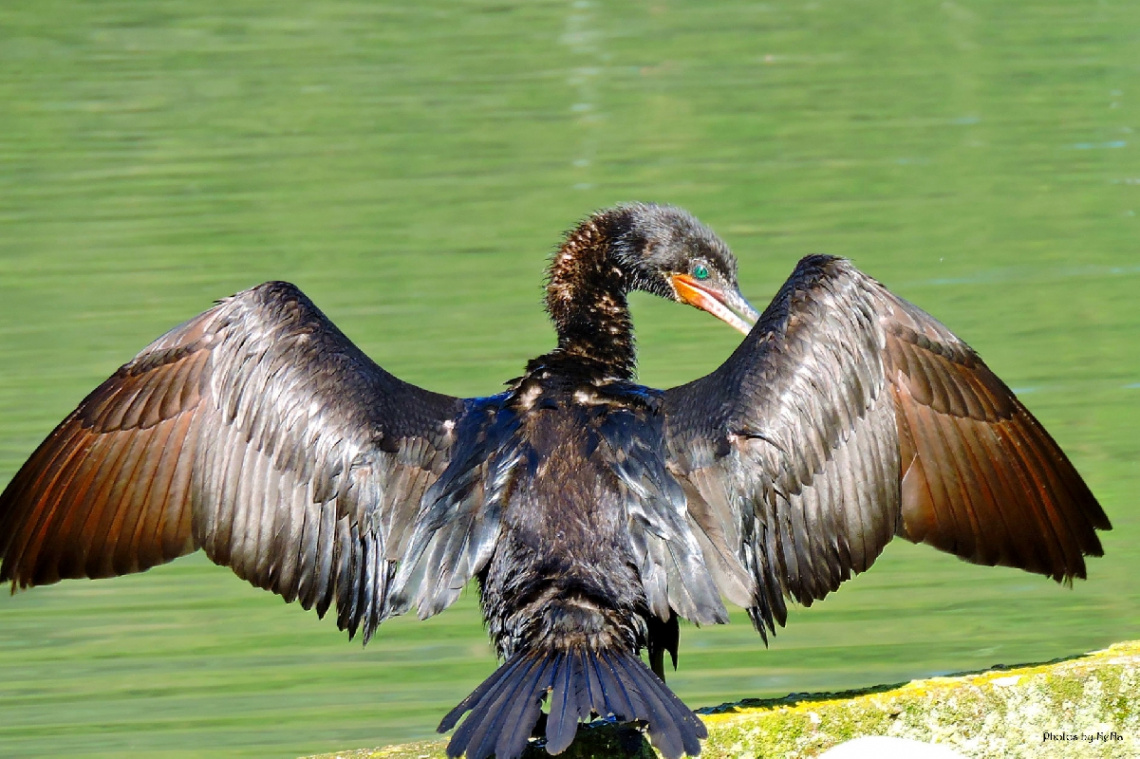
849,416
258,432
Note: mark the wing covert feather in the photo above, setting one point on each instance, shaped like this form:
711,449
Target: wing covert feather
256,431
849,415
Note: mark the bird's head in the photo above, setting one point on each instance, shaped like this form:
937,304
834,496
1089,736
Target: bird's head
664,250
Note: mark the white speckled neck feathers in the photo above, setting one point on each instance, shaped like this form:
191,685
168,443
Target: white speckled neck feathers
586,299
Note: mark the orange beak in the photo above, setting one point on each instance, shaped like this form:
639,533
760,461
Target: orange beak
728,306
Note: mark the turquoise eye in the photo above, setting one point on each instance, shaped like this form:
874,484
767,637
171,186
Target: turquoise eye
700,271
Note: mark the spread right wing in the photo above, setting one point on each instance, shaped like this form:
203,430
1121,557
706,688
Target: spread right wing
849,416
256,431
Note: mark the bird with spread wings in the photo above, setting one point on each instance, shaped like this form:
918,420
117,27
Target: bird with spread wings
593,511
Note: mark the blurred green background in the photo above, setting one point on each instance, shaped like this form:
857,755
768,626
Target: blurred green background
412,165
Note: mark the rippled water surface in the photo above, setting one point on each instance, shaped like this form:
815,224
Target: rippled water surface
411,165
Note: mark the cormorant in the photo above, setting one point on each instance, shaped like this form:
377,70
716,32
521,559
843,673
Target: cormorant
593,511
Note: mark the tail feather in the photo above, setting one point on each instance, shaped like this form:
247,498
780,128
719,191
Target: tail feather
672,715
594,684
503,672
666,735
506,706
524,712
483,736
614,694
566,705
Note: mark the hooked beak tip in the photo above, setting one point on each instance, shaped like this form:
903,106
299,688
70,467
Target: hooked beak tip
745,315
730,307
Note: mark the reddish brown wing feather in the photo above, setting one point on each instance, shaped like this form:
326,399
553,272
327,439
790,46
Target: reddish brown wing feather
981,478
108,492
256,431
849,415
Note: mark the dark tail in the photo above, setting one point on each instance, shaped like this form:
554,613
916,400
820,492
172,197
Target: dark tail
505,708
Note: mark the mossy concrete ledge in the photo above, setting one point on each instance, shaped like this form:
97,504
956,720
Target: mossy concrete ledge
1083,707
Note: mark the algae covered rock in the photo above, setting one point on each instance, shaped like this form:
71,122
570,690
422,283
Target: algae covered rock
1082,707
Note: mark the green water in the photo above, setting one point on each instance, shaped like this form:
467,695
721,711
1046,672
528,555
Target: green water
411,165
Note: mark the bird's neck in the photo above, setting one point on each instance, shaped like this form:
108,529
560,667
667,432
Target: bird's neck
586,299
